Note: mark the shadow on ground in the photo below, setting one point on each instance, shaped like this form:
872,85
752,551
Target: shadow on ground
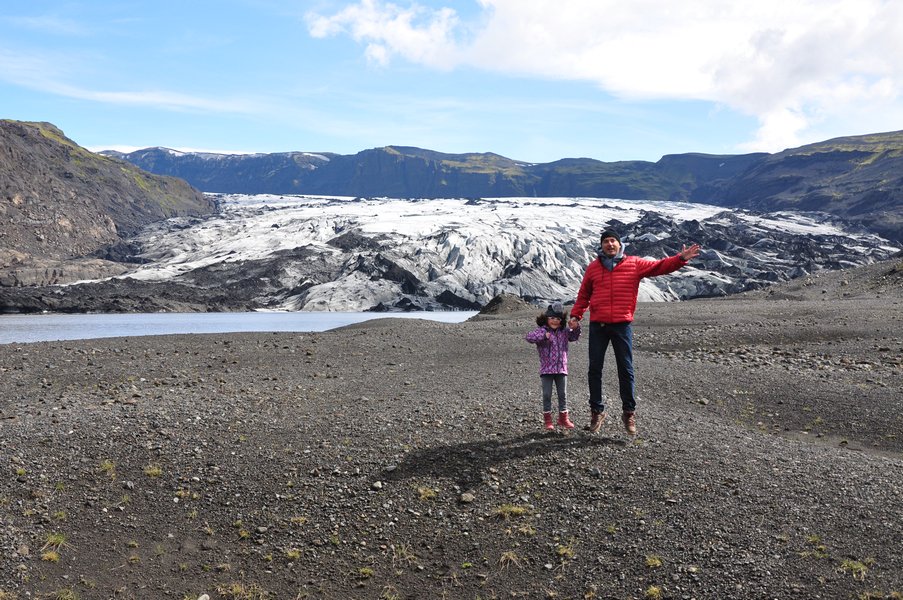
468,463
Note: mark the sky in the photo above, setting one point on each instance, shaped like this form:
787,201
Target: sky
532,80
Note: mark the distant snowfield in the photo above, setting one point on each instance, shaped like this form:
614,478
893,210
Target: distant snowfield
474,249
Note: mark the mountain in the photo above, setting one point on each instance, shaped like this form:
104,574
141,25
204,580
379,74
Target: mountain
407,172
328,253
73,215
61,202
859,178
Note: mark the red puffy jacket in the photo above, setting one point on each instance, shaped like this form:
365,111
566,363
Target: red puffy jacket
611,295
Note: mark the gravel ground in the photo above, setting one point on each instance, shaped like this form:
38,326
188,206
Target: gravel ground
405,459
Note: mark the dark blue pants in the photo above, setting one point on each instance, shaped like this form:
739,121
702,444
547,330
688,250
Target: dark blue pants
620,336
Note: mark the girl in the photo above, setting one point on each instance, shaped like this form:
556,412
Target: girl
551,339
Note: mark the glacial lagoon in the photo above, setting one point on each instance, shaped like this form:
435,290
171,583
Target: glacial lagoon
59,327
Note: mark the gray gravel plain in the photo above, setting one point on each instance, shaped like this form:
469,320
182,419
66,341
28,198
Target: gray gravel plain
405,459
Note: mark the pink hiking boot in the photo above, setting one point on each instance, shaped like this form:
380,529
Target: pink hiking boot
547,421
564,421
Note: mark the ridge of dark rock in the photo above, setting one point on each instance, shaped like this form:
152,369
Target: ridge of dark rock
61,202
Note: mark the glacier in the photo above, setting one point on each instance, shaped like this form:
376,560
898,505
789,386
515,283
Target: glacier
330,253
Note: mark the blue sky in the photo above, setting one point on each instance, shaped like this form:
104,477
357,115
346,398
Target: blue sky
534,80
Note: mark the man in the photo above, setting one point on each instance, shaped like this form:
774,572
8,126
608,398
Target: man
609,288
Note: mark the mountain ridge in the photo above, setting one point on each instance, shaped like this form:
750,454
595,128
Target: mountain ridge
854,177
411,172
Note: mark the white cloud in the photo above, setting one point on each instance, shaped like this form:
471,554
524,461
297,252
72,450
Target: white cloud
51,24
388,30
48,74
159,99
796,66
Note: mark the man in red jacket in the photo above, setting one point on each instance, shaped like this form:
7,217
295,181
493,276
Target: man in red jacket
609,289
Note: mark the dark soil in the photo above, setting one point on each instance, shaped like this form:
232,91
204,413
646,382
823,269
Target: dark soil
405,459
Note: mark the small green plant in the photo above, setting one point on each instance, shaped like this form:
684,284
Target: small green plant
653,561
87,583
20,471
365,572
466,565
819,550
134,559
240,591
506,511
108,467
153,471
54,541
565,552
298,520
427,493
508,559
390,593
403,554
60,515
856,568
653,592
293,554
132,544
244,534
65,594
50,556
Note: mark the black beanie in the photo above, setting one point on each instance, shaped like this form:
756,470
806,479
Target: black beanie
607,233
555,310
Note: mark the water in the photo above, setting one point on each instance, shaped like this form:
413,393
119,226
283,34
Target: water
56,327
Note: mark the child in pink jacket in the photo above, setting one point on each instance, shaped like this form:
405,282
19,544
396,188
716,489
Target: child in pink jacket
551,339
